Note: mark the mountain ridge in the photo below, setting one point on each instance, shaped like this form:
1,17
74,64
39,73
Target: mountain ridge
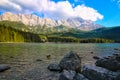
33,20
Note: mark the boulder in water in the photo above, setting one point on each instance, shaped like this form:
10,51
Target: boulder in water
110,64
98,73
4,67
71,61
54,67
67,75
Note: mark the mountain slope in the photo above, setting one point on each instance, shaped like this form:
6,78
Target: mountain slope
110,33
106,33
33,20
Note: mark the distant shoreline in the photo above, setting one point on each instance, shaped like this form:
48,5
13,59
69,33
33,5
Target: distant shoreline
63,42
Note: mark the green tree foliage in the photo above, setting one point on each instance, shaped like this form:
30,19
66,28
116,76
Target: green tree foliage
78,40
8,34
112,33
96,40
62,39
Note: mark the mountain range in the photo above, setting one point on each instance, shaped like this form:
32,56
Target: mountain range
36,21
31,28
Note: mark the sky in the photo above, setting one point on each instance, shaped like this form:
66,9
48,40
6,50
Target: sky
104,12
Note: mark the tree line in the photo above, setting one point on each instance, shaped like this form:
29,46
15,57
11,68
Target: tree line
78,40
8,34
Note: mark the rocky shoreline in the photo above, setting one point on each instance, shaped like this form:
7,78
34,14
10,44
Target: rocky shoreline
70,68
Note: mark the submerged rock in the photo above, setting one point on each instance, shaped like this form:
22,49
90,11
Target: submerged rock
54,67
71,61
67,75
4,67
116,49
109,63
98,73
91,52
48,56
39,60
96,57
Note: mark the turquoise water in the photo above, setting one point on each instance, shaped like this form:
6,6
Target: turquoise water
22,58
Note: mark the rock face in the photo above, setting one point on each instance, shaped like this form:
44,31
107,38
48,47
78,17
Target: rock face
81,24
67,75
33,20
71,61
4,67
98,73
111,63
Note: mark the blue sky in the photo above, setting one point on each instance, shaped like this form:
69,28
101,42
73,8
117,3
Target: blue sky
105,12
110,9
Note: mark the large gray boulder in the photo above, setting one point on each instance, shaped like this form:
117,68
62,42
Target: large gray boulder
67,75
71,61
110,63
4,67
99,73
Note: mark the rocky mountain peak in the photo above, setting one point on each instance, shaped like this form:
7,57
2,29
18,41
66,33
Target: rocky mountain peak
33,20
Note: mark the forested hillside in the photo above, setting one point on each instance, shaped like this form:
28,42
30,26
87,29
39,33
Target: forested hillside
112,33
9,34
18,32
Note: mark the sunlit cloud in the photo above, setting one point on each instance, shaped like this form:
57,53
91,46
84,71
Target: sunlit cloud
51,9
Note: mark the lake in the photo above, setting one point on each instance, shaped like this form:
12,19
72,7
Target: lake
28,61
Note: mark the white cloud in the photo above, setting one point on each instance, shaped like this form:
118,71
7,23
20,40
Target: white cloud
9,6
59,10
87,13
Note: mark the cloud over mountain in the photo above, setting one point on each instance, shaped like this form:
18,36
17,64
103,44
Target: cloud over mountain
51,9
